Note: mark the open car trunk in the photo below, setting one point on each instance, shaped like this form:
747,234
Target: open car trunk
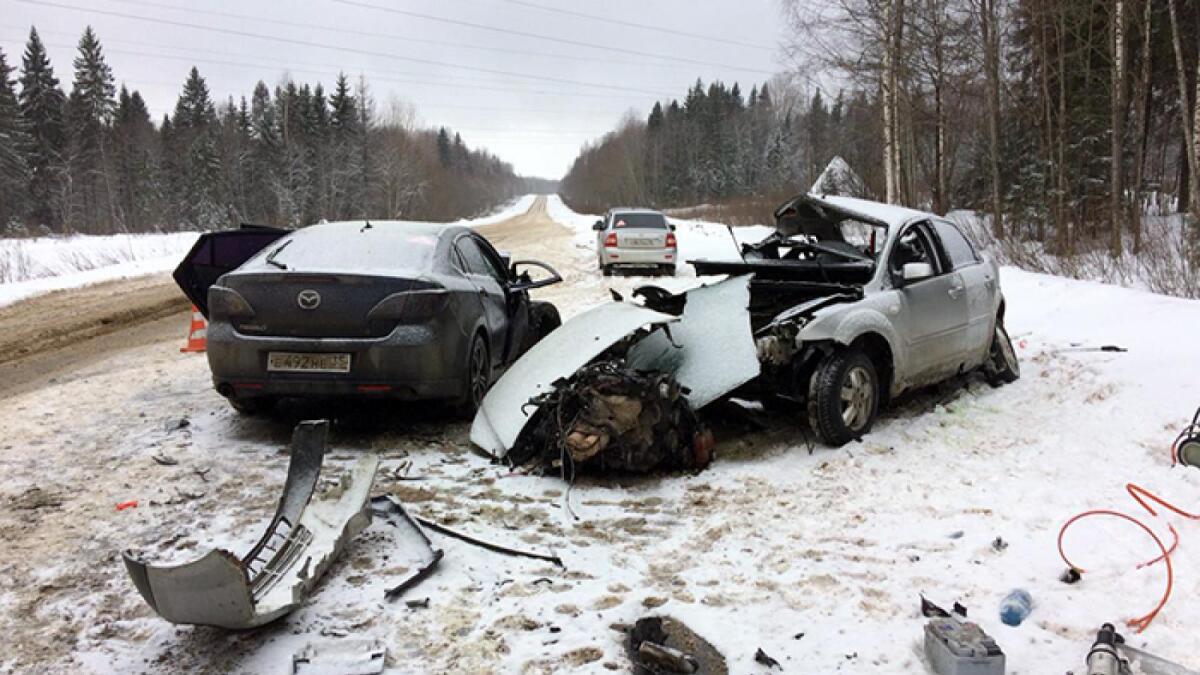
215,254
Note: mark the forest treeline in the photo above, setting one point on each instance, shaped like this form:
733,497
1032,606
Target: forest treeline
1013,108
94,161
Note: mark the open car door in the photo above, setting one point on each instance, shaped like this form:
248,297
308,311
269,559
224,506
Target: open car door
216,253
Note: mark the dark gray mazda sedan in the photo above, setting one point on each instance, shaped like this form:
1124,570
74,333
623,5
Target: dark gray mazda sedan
365,308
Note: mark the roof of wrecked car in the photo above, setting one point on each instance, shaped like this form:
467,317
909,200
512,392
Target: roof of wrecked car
888,213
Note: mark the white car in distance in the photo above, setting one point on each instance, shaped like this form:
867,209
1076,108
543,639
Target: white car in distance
635,238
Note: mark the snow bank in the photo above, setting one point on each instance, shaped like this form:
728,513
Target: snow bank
506,211
30,267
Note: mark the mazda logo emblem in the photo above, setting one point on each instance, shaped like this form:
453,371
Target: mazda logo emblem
309,299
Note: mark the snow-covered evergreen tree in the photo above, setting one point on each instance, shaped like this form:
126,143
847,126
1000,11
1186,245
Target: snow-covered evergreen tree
43,106
14,149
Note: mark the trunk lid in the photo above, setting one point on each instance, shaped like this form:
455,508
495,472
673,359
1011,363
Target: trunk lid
316,305
641,238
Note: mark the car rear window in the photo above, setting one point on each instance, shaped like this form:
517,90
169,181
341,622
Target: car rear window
643,221
350,250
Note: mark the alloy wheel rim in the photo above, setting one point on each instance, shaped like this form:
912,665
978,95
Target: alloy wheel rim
857,396
479,374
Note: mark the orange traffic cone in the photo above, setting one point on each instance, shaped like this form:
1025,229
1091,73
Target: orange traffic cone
197,333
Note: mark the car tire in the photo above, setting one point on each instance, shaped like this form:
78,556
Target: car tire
252,407
544,319
607,270
478,377
1002,367
843,397
667,270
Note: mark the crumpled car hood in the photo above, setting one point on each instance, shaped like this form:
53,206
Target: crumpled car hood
709,349
505,410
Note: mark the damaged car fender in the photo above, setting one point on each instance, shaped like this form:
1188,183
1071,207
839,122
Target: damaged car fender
846,324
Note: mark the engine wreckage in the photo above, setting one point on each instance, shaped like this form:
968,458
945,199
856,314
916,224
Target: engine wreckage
618,387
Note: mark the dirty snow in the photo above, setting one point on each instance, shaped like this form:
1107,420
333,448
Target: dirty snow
816,558
512,209
30,267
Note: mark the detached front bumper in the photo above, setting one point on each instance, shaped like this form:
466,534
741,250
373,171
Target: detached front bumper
411,363
639,256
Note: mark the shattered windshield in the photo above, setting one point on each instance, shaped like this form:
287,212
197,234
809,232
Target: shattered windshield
851,237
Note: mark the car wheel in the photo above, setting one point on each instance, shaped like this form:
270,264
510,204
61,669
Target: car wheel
607,270
544,318
478,376
843,397
253,406
667,270
1002,367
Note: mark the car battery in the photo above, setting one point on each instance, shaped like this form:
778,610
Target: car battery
957,647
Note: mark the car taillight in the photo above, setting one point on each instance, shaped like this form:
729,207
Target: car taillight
611,240
411,306
671,240
226,304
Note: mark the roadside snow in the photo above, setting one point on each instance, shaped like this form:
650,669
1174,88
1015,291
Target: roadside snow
512,209
30,267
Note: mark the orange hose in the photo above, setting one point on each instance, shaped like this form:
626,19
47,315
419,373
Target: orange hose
1140,495
1139,623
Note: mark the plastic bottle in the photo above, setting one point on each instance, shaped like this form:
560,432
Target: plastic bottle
1015,607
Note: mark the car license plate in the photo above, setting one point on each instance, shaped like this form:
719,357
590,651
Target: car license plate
640,242
289,362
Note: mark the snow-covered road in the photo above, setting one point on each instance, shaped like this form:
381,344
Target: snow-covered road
816,558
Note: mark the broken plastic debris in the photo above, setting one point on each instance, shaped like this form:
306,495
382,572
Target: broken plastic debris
415,547
131,504
302,541
340,657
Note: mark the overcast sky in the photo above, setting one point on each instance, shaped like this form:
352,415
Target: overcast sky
531,101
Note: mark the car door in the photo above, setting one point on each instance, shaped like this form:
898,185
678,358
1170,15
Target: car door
933,312
216,253
980,283
489,284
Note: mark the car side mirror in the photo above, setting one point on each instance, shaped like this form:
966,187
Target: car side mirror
672,226
523,280
916,271
598,226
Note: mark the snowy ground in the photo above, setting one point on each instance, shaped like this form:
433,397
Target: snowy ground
816,558
30,267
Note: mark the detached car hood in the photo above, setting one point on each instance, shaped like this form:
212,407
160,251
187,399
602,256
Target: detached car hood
505,410
709,349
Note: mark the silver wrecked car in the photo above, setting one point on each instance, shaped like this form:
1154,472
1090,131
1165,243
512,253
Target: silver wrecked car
635,238
855,302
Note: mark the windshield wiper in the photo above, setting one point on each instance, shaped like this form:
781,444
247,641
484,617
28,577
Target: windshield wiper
271,258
